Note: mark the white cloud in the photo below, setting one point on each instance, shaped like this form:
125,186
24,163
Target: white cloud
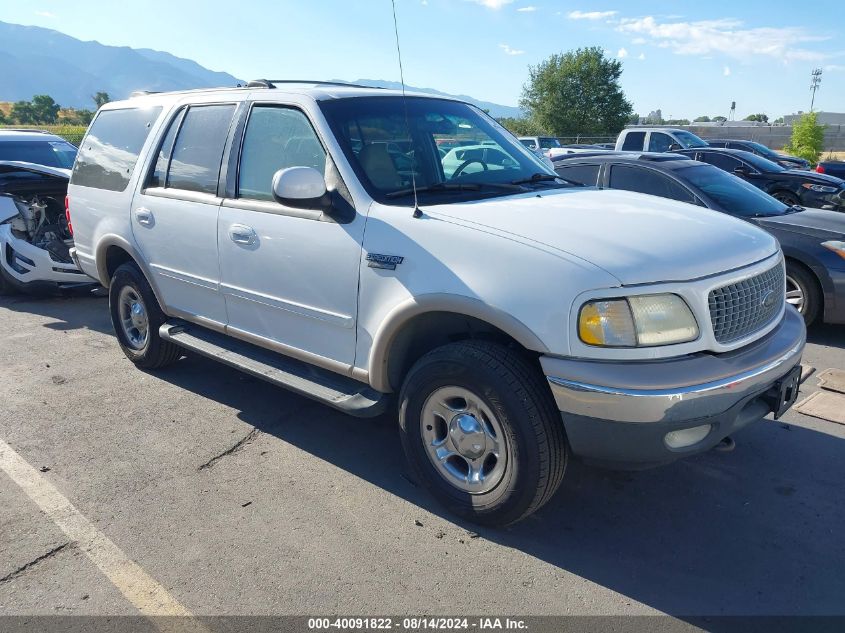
622,53
639,40
45,14
641,56
590,15
728,37
726,71
833,68
424,3
510,51
528,9
492,4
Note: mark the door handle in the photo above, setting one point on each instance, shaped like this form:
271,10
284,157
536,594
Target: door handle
144,216
242,234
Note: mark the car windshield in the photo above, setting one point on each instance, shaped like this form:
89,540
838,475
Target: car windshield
396,145
56,153
548,143
760,163
764,151
734,195
689,140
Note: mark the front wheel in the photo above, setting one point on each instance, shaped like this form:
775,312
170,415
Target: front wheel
136,317
802,293
481,431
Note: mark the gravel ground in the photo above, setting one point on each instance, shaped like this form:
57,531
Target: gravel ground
314,513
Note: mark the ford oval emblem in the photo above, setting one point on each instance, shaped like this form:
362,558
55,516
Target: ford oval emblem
768,299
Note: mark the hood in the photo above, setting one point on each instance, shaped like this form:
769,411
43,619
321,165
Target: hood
635,237
814,222
815,177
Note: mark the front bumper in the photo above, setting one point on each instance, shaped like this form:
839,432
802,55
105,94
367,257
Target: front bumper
26,267
618,413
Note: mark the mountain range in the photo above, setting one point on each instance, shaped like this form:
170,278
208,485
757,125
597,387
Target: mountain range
36,60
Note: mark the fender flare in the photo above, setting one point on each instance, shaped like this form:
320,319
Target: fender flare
440,302
103,245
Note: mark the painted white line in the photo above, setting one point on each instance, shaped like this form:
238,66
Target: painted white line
149,597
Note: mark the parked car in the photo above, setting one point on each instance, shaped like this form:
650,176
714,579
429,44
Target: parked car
548,145
790,186
472,158
512,319
656,139
34,146
35,239
834,168
813,241
784,160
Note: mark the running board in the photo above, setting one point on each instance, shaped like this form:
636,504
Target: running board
342,393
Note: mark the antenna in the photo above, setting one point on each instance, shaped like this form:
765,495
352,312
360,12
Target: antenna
815,85
417,212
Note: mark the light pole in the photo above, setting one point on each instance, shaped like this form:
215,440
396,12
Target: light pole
814,85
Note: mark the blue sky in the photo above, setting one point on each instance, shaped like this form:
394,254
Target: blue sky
686,58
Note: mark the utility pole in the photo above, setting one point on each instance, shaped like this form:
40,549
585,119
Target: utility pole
814,85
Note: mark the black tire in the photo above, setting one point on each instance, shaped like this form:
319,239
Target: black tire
808,287
786,197
516,393
6,288
155,352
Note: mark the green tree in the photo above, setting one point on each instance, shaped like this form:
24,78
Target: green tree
101,99
23,112
45,108
807,140
762,118
3,119
778,121
719,119
576,92
701,119
519,127
677,122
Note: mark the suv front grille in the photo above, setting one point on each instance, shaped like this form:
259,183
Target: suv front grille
740,309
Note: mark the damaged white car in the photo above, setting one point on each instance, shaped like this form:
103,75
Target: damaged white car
35,236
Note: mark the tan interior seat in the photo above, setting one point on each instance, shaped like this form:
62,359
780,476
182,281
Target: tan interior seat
379,167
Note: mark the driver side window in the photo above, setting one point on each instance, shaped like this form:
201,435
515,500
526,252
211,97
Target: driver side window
659,142
276,137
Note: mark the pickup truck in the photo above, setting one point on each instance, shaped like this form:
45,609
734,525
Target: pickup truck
308,234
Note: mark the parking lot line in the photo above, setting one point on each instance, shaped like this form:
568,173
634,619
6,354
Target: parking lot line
149,597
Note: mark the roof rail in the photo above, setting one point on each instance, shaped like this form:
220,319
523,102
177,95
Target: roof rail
270,83
143,93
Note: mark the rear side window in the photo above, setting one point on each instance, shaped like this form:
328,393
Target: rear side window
198,151
648,181
110,149
634,141
276,138
581,174
722,161
659,142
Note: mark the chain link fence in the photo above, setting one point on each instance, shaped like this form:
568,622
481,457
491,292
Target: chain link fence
71,133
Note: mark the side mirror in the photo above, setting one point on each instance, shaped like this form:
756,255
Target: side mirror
301,187
674,147
742,172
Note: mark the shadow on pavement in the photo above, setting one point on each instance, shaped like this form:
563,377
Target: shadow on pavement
827,334
72,311
755,531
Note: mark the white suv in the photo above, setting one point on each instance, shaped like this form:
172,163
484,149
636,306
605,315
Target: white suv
308,234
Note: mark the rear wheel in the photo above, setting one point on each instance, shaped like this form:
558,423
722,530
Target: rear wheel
136,317
481,431
802,292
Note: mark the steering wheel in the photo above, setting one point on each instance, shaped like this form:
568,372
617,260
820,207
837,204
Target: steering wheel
464,164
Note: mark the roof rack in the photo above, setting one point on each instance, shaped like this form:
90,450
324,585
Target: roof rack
143,93
270,83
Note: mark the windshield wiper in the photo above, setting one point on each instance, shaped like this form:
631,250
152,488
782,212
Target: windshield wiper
445,187
538,177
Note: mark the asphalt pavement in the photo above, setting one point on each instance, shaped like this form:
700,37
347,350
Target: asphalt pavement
234,497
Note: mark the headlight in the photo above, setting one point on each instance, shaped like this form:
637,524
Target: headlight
836,246
637,321
819,188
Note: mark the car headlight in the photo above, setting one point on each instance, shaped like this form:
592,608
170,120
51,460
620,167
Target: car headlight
819,188
641,321
837,246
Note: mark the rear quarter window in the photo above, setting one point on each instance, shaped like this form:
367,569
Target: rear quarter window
110,149
634,141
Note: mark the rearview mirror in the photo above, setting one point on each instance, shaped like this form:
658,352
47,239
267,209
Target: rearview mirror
301,187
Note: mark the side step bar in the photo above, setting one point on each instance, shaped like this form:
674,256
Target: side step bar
342,393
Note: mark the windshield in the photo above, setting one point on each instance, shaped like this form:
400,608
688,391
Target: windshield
734,195
453,150
548,143
689,140
49,153
760,163
765,151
